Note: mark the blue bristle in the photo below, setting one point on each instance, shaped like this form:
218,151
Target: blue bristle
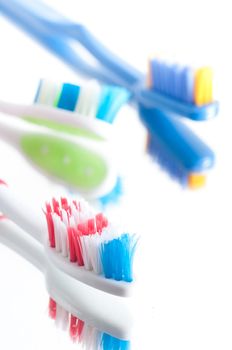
177,93
167,79
69,96
159,76
106,259
38,91
111,100
188,84
166,161
111,343
173,80
115,194
156,75
117,257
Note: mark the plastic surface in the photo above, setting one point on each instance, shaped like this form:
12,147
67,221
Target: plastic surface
153,99
174,140
17,210
122,289
56,34
80,167
109,314
59,119
81,163
34,224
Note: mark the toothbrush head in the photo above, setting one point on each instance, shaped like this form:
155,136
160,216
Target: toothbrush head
86,246
97,103
180,89
87,336
92,99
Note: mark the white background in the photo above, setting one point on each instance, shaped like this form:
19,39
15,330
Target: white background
185,258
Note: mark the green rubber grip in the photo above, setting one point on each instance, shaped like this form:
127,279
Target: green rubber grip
73,164
63,128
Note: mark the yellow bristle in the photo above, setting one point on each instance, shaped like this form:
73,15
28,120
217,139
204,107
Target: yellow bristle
196,180
203,86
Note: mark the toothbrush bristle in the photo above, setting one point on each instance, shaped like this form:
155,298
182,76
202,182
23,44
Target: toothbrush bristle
196,181
166,162
87,336
2,216
52,308
181,82
88,240
203,89
92,99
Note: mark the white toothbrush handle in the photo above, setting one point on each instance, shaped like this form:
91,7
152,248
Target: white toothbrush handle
107,313
62,116
11,131
21,214
16,239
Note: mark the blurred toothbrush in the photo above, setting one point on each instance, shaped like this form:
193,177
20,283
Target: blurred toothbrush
176,148
82,163
173,89
57,33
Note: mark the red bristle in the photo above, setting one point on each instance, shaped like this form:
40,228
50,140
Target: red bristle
77,205
2,217
56,206
73,327
64,202
72,252
65,205
50,225
99,222
91,227
80,327
78,248
104,222
48,208
3,182
83,228
69,210
52,308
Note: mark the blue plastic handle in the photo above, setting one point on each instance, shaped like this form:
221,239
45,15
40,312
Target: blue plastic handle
56,33
177,141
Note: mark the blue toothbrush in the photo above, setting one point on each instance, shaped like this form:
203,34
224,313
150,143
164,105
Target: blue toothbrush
57,33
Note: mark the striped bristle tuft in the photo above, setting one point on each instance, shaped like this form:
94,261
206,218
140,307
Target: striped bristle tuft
87,239
183,83
87,336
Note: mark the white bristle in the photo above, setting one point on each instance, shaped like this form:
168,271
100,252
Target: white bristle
64,217
86,212
86,252
63,239
75,214
72,222
62,317
57,222
94,253
90,338
88,99
49,91
110,232
93,99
